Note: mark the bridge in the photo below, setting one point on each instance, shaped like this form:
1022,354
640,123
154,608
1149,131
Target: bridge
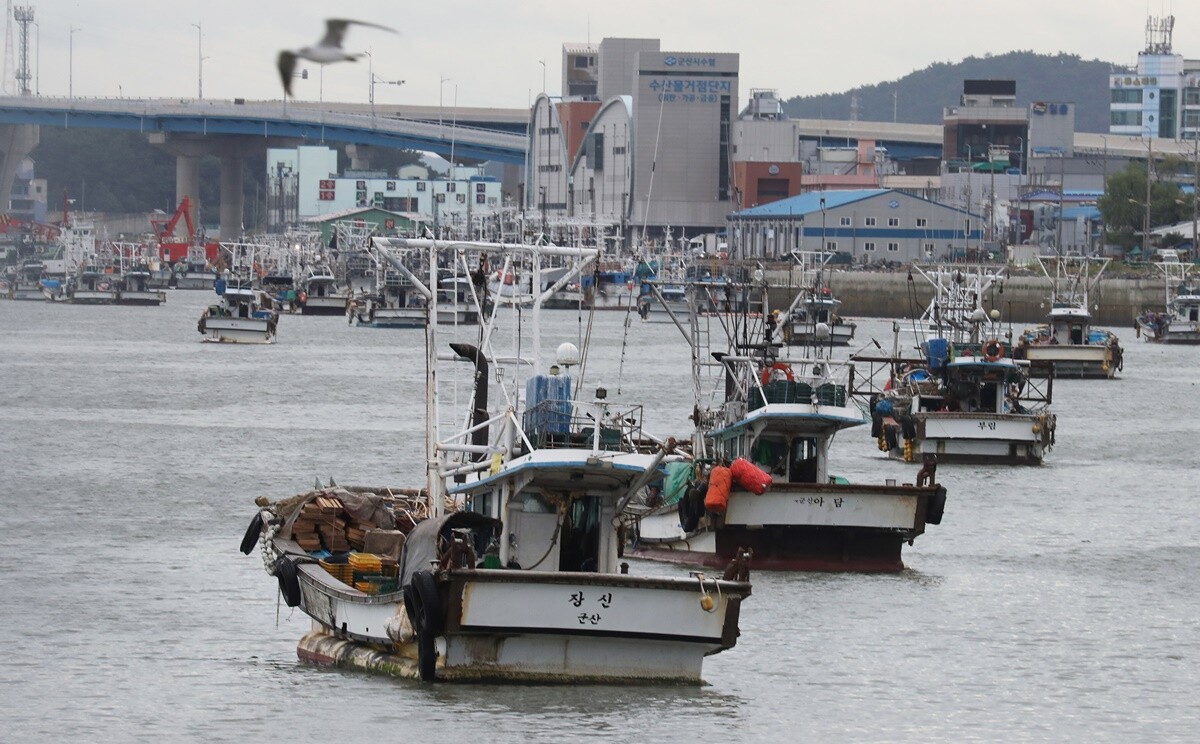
233,130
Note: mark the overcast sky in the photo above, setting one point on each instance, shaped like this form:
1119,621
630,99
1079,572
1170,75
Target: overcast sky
492,51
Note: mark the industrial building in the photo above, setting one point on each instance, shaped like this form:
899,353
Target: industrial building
1160,96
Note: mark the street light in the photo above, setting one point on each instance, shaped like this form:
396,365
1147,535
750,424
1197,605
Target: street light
542,62
441,89
376,80
71,63
199,61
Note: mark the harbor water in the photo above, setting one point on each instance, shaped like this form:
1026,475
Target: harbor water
1053,603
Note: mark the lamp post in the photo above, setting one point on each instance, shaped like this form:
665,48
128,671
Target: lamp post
441,90
199,61
71,63
542,62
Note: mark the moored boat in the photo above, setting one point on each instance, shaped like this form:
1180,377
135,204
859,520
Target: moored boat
773,415
242,315
1068,343
1178,320
509,568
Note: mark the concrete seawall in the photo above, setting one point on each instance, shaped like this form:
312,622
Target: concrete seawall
1025,298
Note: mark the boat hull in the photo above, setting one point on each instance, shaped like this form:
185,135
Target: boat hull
798,527
529,626
1082,361
93,297
1183,335
979,438
193,281
238,331
335,305
142,298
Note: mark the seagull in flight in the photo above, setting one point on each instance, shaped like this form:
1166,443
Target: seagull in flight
328,49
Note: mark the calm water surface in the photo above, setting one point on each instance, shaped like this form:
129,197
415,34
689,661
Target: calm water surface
1058,603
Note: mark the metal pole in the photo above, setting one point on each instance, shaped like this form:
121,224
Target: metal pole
199,61
71,63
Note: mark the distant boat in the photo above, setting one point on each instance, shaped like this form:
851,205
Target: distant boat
1068,343
243,315
1178,321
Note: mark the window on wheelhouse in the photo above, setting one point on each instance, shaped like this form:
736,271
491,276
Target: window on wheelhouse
805,461
580,536
770,453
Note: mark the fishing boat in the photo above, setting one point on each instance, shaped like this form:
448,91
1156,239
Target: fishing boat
26,283
321,293
962,396
243,314
510,565
1068,343
137,287
194,272
397,303
93,284
1177,321
813,315
772,411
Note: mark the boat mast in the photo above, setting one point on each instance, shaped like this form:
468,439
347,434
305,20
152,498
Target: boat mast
433,481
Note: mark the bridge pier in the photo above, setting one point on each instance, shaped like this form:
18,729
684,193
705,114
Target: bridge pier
360,156
231,150
16,142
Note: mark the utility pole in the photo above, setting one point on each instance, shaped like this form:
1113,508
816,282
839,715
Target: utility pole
1146,216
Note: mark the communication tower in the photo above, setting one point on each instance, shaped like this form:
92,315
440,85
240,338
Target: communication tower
1158,34
23,15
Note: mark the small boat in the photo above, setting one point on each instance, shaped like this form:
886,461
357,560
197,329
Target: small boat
26,282
1178,320
93,284
764,434
137,287
1068,343
813,315
243,315
194,273
964,397
321,293
506,565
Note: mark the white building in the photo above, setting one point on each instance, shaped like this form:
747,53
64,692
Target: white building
1160,97
304,182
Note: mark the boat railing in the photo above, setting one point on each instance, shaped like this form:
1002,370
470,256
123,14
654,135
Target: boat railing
559,424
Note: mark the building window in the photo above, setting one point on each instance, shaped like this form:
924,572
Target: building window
723,149
1126,95
480,188
1125,118
844,221
548,130
441,198
461,198
831,246
420,185
922,222
480,198
869,247
929,250
596,151
893,222
869,222
551,168
1191,97
619,150
893,247
450,187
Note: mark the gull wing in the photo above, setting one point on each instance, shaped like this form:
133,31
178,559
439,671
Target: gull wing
335,30
287,65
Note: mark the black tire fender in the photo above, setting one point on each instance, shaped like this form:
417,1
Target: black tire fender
936,506
252,533
289,581
424,612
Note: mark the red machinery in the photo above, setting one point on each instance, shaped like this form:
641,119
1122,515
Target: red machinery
172,248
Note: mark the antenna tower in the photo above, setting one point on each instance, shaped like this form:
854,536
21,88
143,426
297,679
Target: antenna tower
23,15
1158,34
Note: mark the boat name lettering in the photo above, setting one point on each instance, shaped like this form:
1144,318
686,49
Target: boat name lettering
585,618
605,600
820,501
989,425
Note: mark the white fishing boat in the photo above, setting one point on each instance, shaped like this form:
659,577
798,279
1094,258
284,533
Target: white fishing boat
396,302
93,284
1177,321
813,315
194,273
961,396
772,411
244,314
321,293
137,287
26,283
1068,343
512,571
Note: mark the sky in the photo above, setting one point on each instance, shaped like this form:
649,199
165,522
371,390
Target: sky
490,53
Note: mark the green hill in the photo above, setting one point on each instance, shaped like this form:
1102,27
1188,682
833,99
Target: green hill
919,97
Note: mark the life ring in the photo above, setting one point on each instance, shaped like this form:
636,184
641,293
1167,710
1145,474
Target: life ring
252,533
289,582
993,350
769,372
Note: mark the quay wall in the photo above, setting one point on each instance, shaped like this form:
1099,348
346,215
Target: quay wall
1025,298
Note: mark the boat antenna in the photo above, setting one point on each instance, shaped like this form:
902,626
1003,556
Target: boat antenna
662,100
